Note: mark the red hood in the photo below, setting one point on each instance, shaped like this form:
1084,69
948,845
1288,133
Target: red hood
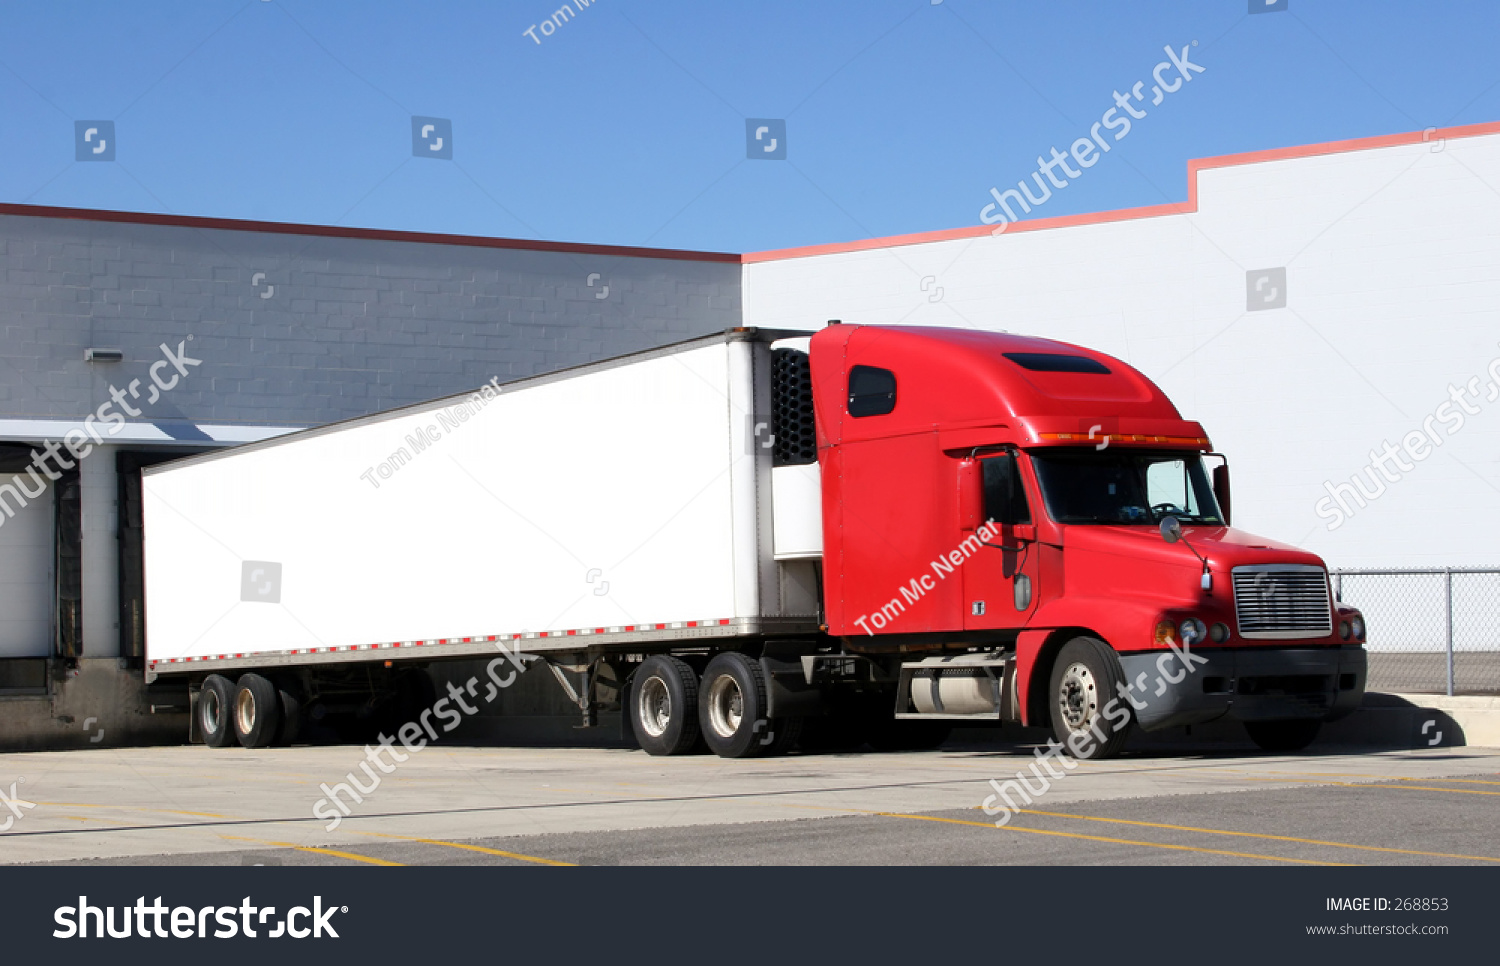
1224,547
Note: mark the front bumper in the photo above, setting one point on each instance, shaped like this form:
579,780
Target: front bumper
1246,684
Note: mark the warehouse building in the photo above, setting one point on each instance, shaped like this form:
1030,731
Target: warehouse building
147,337
1328,312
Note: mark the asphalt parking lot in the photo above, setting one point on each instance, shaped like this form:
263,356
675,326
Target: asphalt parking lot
580,806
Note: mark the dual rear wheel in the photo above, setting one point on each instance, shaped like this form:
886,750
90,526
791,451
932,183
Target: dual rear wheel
673,709
251,711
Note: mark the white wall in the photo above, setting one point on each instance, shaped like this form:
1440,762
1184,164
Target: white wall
1392,259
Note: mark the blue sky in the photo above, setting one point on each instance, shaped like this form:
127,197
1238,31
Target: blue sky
626,125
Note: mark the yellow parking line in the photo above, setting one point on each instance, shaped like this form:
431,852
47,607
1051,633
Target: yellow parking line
1427,788
1258,835
473,848
1386,778
353,857
1377,783
1112,841
78,805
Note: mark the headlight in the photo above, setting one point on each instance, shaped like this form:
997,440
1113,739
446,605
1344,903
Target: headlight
1344,630
1219,633
1357,628
1192,631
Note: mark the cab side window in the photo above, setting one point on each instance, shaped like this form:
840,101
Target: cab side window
872,391
1004,496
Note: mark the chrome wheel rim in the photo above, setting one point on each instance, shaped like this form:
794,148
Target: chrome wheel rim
726,706
244,711
655,707
1078,697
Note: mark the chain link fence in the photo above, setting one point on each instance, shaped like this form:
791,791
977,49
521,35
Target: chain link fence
1434,630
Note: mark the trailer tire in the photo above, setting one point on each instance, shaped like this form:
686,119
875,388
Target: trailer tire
786,736
732,710
215,710
664,706
257,711
1284,735
1086,680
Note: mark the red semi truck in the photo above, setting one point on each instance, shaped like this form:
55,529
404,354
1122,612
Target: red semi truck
868,534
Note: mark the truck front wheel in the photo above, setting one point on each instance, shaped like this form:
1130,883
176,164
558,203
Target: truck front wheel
1284,735
664,706
732,710
1088,716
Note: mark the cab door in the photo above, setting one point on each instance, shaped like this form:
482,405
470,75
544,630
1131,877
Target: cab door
1000,577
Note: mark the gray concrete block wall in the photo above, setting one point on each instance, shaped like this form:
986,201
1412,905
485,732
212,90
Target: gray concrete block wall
291,330
334,328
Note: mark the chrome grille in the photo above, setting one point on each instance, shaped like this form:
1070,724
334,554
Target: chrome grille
1282,601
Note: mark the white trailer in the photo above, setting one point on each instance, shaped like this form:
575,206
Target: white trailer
609,510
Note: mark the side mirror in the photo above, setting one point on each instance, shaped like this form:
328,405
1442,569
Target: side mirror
1171,531
1221,489
970,495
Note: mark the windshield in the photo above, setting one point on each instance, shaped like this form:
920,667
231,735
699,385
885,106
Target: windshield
1119,486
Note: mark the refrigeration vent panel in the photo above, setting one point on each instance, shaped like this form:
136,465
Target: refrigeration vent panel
796,442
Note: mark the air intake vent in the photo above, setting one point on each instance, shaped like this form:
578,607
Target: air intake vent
792,409
1282,601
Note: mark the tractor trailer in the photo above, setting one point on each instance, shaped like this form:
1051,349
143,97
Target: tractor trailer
867,534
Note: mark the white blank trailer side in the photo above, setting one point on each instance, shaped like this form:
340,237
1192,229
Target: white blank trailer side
617,503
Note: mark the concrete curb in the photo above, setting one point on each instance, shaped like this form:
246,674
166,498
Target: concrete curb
1476,719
